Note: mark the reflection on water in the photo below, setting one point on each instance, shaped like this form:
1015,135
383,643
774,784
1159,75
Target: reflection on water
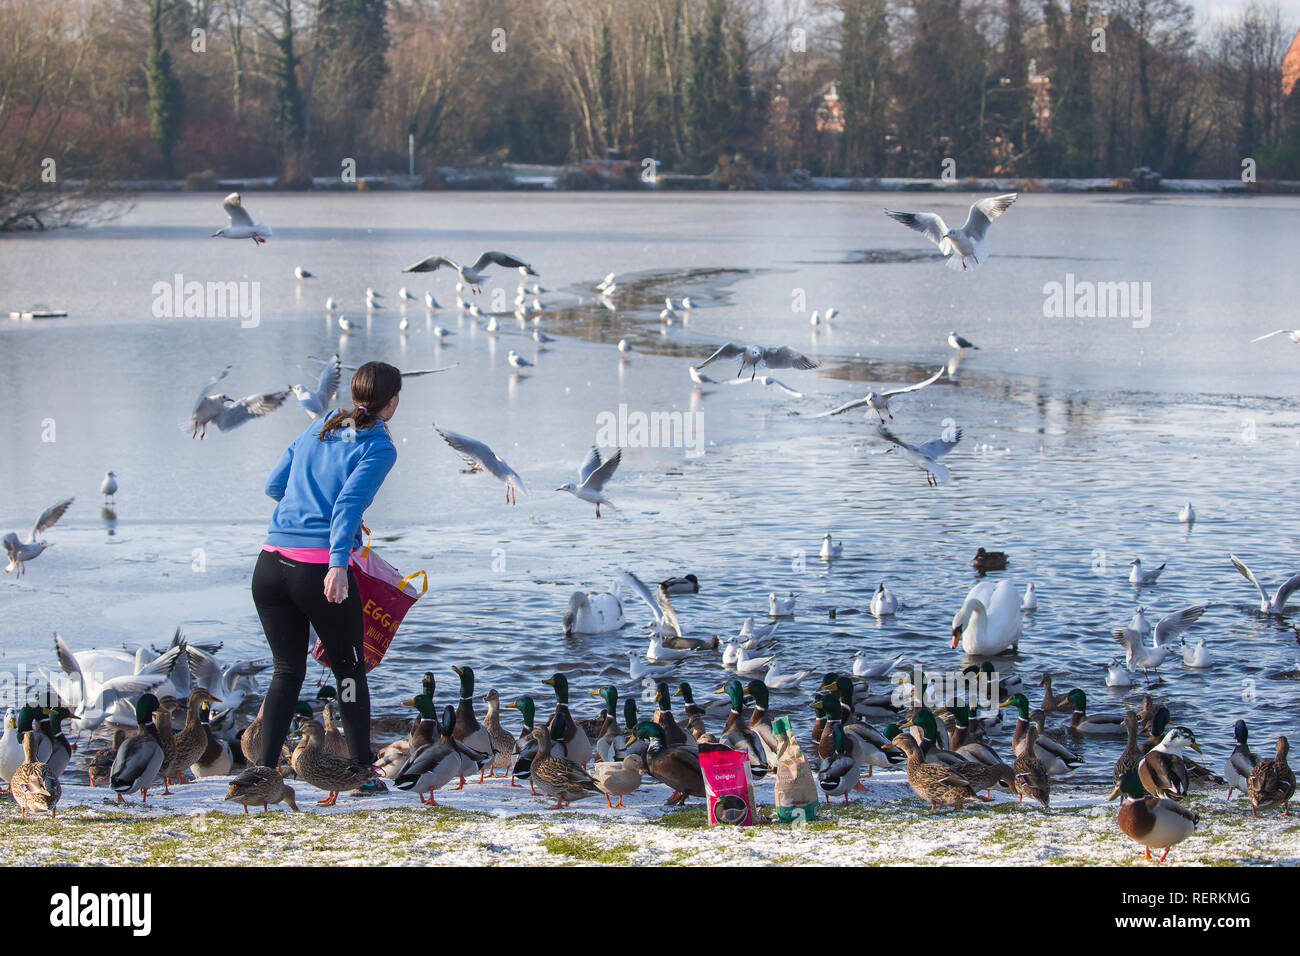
1081,439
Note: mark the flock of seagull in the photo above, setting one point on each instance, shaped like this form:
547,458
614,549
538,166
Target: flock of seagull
988,622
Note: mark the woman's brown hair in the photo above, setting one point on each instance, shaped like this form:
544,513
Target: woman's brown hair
373,387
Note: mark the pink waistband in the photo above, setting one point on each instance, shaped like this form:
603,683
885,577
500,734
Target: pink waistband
308,555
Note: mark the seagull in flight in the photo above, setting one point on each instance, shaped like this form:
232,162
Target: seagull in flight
1275,604
925,456
315,403
959,343
879,401
225,412
766,380
414,373
752,356
1292,334
968,241
701,380
21,551
241,223
1138,655
480,457
592,477
473,275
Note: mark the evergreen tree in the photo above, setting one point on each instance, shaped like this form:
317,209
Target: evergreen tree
166,99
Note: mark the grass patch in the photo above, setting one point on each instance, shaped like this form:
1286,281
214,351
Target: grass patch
588,850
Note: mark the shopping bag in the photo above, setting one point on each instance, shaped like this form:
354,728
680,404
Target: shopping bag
386,595
728,785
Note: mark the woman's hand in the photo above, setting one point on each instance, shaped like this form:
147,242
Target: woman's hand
336,585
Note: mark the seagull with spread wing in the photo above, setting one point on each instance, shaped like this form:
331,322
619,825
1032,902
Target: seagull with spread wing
480,457
925,456
241,223
879,401
752,356
316,403
225,412
1292,334
767,380
21,551
1138,655
592,477
1276,602
666,625
473,275
414,373
967,242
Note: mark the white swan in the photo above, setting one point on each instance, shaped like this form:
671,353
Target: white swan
593,612
989,620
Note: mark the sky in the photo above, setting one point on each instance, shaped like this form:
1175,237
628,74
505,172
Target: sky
1227,9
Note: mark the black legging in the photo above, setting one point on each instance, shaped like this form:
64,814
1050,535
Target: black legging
290,595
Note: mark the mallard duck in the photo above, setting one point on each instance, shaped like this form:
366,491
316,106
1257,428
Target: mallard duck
940,784
60,747
468,730
1051,702
29,722
577,746
336,742
609,741
34,785
1055,758
618,778
162,719
1081,722
674,767
686,584
1241,762
927,738
11,750
250,741
1198,777
760,718
559,777
192,741
982,776
1272,782
1162,771
260,786
881,705
631,744
435,764
971,750
216,759
140,757
840,771
736,733
989,560
327,772
525,744
101,764
1132,755
503,744
1039,719
1151,821
674,733
1032,776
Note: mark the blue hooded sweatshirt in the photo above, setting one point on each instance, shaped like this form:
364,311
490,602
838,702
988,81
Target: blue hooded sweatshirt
323,488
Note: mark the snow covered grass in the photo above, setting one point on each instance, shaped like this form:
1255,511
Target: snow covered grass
494,825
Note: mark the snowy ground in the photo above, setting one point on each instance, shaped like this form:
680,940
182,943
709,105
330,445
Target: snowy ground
490,824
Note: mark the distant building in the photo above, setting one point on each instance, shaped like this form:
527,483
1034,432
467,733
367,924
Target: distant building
830,115
1291,65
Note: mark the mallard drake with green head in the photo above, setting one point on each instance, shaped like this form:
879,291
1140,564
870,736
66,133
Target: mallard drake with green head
216,759
1272,782
840,771
854,706
1056,758
737,735
618,778
1162,771
435,764
714,710
609,740
468,730
1151,821
1081,722
861,739
1241,761
504,748
60,747
760,718
577,745
29,722
525,744
260,786
1032,777
938,783
674,767
961,743
101,764
559,777
34,785
141,756
927,738
324,771
674,733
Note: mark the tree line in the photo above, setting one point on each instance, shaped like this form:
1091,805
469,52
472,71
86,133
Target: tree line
141,89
